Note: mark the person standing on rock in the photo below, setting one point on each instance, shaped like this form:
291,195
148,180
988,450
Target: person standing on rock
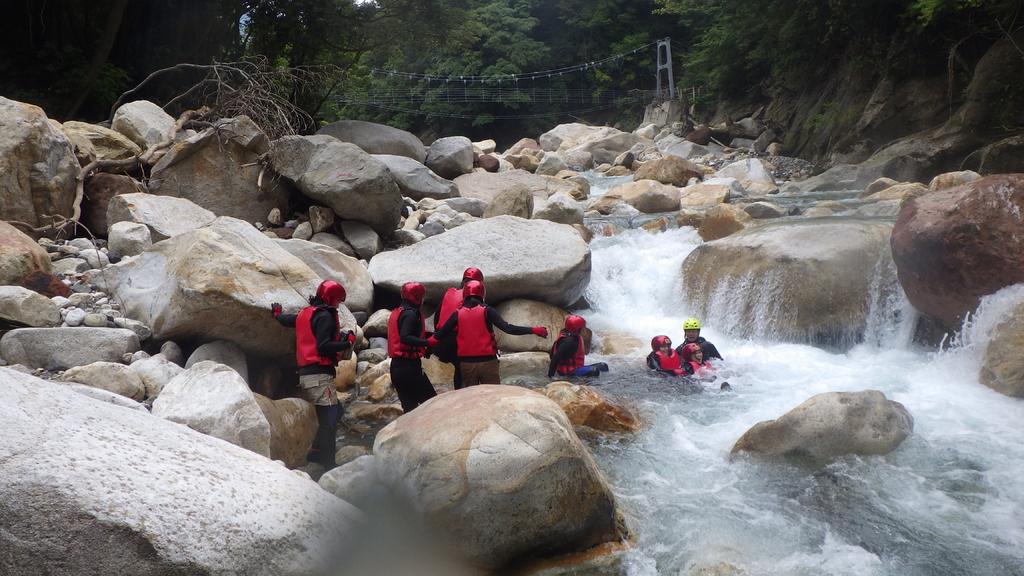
691,333
473,325
452,300
407,344
568,354
318,342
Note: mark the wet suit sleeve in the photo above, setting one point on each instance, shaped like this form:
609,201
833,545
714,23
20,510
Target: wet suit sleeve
324,329
652,362
710,351
495,320
449,326
287,320
566,349
409,329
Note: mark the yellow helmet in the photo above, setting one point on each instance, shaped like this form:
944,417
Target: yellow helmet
691,324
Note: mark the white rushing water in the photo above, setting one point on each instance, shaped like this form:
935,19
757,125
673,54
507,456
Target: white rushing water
948,501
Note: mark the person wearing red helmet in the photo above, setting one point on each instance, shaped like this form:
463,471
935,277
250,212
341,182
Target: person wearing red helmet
473,326
318,342
693,357
407,344
666,360
446,350
568,353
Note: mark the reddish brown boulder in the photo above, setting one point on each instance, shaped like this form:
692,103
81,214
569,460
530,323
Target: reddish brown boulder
953,246
700,136
47,284
99,189
486,161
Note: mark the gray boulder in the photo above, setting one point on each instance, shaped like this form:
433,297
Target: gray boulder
377,138
520,258
830,425
362,238
221,352
155,371
340,175
165,216
607,148
218,170
353,481
213,283
24,307
20,255
108,144
213,399
471,206
416,180
63,348
762,210
128,239
143,122
526,487
110,376
38,167
133,509
329,263
450,157
559,208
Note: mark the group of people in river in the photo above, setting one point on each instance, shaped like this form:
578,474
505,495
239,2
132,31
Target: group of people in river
464,337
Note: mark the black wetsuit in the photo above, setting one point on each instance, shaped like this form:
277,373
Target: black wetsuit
706,347
407,376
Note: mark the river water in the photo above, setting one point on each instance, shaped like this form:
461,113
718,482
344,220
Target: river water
948,501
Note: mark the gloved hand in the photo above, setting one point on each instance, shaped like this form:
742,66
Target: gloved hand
275,309
432,342
351,337
540,331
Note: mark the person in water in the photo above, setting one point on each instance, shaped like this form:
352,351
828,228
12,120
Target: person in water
691,334
473,326
407,344
697,366
450,302
318,342
567,353
666,360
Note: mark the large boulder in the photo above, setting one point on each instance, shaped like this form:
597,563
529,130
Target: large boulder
683,148
1003,367
63,348
38,168
20,255
165,216
222,352
529,313
377,138
559,208
293,425
520,258
499,472
565,136
498,190
214,283
669,170
155,371
706,194
753,174
722,220
213,399
108,144
450,157
416,180
329,264
585,406
830,425
218,169
954,246
607,148
809,281
23,307
93,488
647,196
143,122
109,376
340,175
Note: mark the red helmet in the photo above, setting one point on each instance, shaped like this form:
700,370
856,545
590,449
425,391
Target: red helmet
472,274
574,323
332,293
474,288
659,341
689,350
413,292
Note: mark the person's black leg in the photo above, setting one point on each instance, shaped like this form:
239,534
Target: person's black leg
458,374
327,434
404,382
424,390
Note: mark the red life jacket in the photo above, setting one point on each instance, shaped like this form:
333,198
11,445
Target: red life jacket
698,367
474,337
568,366
399,349
449,304
305,341
669,361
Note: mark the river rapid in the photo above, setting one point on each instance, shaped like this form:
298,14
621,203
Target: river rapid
948,501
